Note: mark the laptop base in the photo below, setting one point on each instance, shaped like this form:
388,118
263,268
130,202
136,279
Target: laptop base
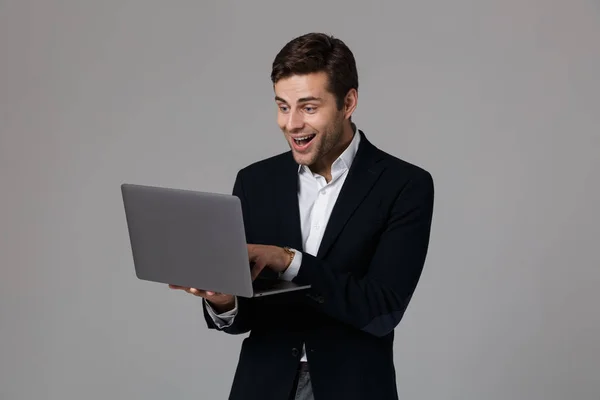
265,287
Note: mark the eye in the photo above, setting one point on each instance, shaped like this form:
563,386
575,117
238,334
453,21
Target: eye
310,109
283,108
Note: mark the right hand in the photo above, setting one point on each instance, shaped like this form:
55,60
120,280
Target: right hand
221,302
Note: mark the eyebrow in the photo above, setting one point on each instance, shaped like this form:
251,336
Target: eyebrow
300,100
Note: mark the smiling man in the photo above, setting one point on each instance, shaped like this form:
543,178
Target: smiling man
312,120
334,212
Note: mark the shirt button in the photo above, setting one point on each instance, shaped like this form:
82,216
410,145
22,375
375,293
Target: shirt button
295,352
324,191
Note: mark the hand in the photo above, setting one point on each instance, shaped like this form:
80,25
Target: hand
264,256
219,301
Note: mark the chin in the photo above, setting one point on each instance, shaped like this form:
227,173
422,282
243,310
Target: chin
303,159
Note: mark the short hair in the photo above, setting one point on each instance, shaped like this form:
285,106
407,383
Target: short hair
318,52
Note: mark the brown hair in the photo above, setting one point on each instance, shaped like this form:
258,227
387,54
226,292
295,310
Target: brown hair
318,52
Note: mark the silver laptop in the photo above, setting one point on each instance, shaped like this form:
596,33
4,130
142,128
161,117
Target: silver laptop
193,239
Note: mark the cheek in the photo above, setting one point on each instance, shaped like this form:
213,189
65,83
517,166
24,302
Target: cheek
319,122
281,122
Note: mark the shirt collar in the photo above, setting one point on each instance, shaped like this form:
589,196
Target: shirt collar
344,161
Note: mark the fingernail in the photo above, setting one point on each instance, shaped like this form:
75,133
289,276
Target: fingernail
210,293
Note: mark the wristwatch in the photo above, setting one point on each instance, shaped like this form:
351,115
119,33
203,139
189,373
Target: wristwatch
291,253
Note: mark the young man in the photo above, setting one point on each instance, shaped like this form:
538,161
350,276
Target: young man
339,214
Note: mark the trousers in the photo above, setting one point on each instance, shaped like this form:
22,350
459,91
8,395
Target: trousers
302,388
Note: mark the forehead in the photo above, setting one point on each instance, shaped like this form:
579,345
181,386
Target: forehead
299,86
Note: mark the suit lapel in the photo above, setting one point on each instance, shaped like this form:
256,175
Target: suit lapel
363,174
286,202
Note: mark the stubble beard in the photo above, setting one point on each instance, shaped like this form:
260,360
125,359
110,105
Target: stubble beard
329,140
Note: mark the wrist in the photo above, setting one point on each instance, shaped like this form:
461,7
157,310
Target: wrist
292,270
221,308
288,257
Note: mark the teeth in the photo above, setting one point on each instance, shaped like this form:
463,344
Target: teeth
303,138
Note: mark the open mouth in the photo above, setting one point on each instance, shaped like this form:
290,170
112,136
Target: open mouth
304,140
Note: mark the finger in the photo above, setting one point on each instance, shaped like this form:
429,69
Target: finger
252,257
256,270
194,291
203,293
197,292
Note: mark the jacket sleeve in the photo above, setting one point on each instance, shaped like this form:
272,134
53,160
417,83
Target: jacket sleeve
240,321
375,303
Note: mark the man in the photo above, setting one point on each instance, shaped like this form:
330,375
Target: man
339,214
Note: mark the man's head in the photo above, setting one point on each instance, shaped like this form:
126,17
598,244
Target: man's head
315,81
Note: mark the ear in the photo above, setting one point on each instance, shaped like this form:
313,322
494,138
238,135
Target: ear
350,103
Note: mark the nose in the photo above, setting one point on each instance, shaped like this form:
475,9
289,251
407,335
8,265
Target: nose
295,122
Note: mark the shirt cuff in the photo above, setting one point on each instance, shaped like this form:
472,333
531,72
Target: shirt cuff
222,320
291,271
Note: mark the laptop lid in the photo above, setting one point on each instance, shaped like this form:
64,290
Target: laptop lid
188,238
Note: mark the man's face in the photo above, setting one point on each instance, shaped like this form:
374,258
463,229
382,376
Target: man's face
309,118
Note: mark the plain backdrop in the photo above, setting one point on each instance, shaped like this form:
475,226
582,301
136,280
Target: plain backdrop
499,100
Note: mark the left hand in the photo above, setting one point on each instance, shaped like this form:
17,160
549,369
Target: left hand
265,256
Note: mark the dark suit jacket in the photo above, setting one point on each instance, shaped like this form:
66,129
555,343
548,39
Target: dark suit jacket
362,278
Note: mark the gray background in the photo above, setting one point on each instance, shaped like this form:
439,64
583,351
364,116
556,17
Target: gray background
498,99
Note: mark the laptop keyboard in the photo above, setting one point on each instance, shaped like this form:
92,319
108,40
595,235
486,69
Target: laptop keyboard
264,284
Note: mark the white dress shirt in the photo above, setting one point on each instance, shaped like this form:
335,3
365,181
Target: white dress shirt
316,199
